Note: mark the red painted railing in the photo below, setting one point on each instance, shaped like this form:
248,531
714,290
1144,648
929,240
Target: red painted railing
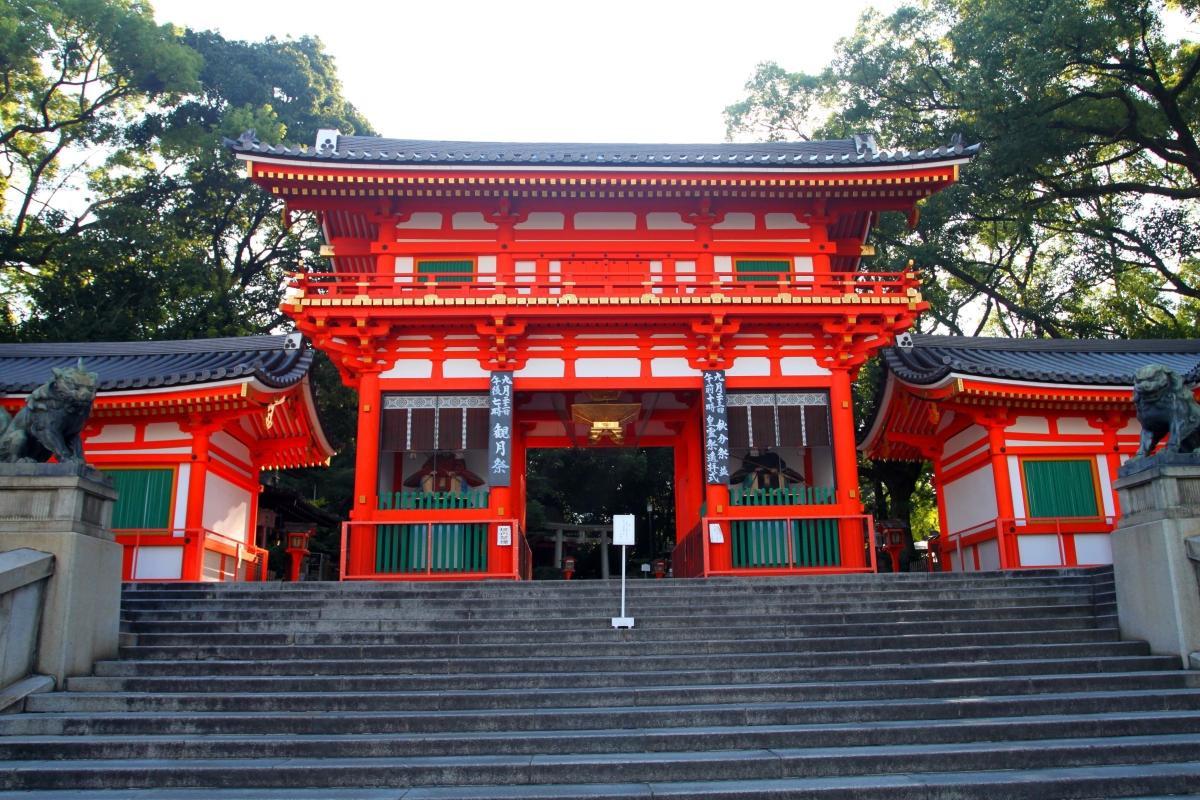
639,285
433,548
966,545
236,560
778,543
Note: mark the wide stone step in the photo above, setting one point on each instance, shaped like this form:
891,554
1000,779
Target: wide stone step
566,719
598,696
468,658
1145,782
203,678
383,631
726,765
550,642
531,620
701,596
649,740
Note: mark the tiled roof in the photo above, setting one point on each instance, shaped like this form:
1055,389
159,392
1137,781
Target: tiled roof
1105,362
277,361
856,151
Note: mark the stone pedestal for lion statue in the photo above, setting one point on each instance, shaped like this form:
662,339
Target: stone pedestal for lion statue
1158,587
63,509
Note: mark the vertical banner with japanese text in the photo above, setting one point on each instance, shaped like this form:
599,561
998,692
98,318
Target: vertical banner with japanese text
500,410
716,429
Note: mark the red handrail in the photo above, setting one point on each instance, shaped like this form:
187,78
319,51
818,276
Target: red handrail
1005,530
522,555
633,284
206,540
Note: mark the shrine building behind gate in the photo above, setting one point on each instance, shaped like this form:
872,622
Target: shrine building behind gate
184,430
1025,437
485,299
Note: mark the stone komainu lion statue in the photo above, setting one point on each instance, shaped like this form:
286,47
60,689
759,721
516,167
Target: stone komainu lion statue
1165,407
51,421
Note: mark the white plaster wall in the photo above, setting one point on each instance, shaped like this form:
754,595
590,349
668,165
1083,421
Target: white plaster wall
608,368
158,563
113,433
989,555
605,220
1106,489
672,368
1093,548
1038,550
231,445
542,368
736,221
963,440
781,221
226,507
181,494
1015,486
971,499
666,221
163,431
463,368
542,221
801,365
422,220
750,367
1077,426
471,221
409,368
1029,424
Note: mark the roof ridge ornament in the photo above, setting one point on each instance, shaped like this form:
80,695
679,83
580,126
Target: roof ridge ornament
327,140
248,139
865,145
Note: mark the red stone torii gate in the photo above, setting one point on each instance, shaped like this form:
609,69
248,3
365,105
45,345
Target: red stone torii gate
599,285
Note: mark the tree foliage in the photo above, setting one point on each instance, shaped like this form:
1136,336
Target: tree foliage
1079,216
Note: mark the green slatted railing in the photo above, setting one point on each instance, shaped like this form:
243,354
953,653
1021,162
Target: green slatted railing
788,496
762,271
765,543
446,271
433,501
431,547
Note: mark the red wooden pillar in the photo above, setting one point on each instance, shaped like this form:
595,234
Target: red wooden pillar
845,466
997,449
507,503
193,549
366,475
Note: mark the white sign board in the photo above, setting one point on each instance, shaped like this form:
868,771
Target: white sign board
504,535
715,535
623,529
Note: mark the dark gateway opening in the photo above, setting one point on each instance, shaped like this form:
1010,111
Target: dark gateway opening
573,494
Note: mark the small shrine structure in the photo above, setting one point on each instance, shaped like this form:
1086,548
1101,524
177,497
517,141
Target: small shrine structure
184,429
488,298
1025,437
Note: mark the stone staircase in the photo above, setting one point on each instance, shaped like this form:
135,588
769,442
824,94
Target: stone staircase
904,686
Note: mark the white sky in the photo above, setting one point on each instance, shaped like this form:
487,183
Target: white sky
531,70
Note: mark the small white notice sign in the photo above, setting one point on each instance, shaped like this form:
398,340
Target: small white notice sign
715,534
504,535
623,529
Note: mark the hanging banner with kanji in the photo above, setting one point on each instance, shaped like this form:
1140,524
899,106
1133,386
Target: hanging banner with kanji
500,409
716,429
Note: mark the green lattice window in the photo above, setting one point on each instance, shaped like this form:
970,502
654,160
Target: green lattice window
765,543
762,270
1060,488
446,270
143,498
448,547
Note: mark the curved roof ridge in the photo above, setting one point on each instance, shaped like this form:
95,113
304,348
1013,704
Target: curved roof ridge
826,152
277,361
1111,362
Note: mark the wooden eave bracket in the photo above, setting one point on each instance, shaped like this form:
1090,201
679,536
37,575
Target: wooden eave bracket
501,338
712,345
